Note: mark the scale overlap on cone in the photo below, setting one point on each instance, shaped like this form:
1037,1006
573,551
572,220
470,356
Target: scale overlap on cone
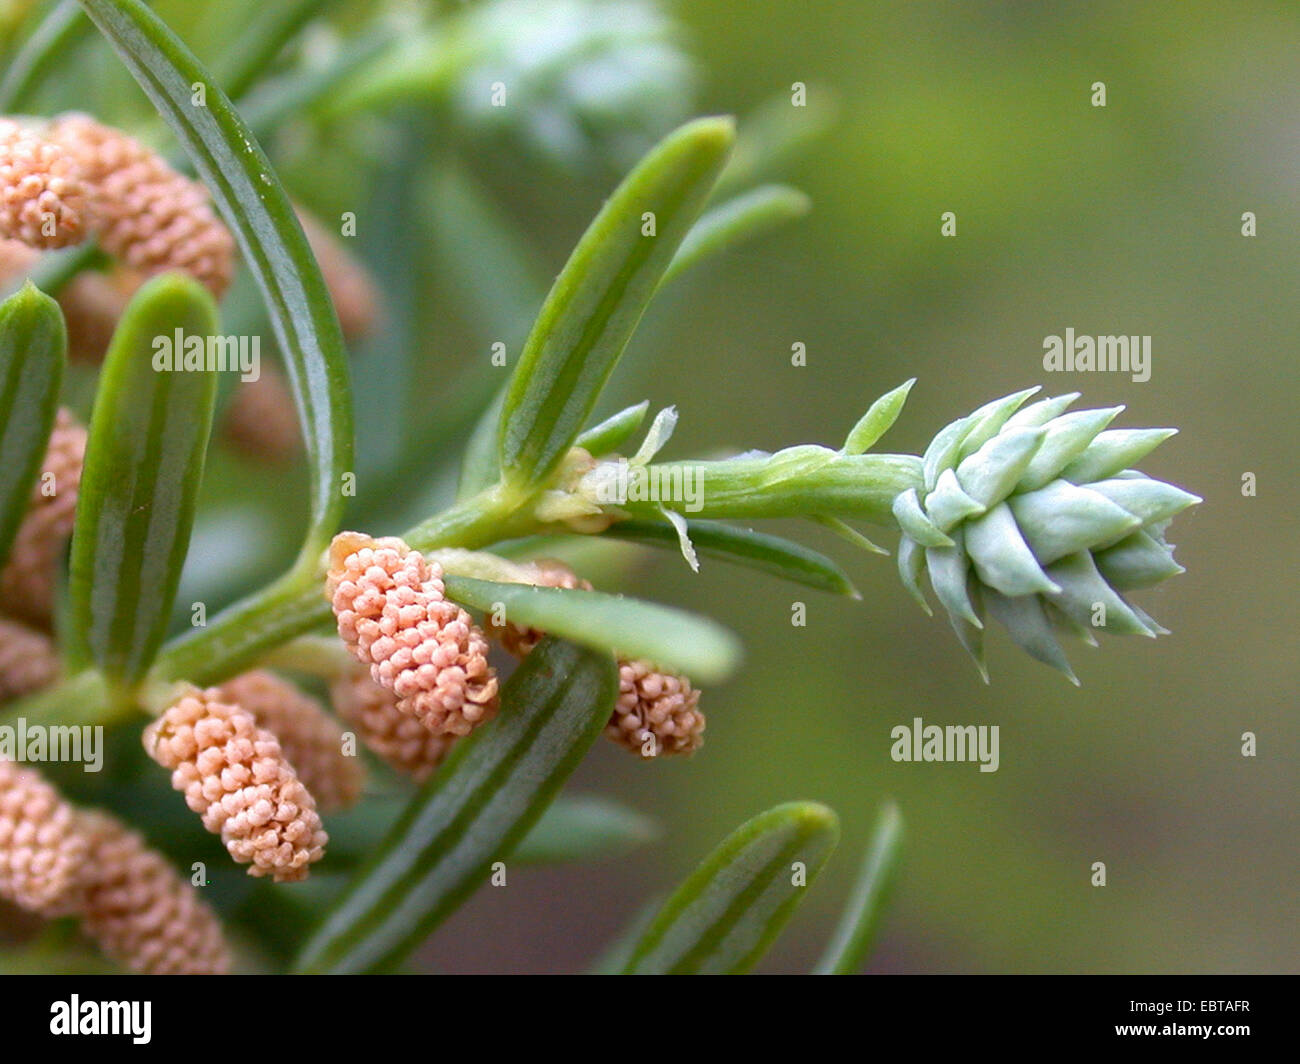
1034,516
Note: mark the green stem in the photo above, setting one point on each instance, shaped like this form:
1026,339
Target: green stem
76,701
316,655
237,637
242,635
494,514
246,632
862,486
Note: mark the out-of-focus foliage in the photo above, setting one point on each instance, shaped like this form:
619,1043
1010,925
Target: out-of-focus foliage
595,83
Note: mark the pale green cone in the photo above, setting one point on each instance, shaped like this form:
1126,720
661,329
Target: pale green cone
1035,516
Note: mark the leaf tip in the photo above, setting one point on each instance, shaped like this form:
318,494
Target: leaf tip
814,817
31,301
797,201
178,293
720,129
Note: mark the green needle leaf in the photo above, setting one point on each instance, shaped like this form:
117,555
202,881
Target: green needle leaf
144,461
33,346
614,431
596,302
255,206
478,466
851,942
743,546
574,828
739,219
847,533
472,812
723,918
584,828
775,136
877,420
630,628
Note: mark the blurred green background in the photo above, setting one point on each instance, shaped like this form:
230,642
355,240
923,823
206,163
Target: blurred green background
1123,219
